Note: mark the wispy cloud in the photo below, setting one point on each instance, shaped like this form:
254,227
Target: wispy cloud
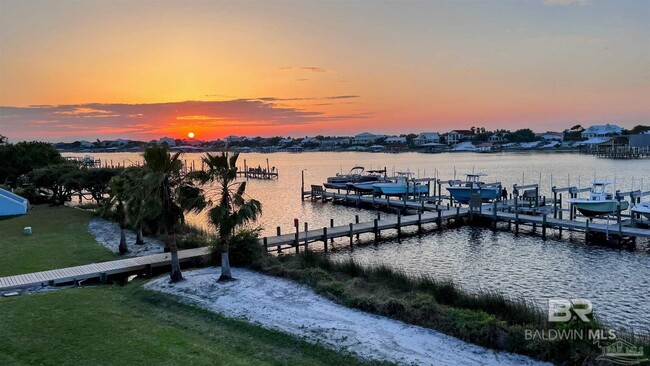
565,2
304,68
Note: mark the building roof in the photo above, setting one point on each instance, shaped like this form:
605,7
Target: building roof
463,132
366,134
428,135
603,129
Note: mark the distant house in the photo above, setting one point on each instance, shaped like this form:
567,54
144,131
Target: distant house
365,138
285,141
335,142
170,141
310,140
457,135
426,138
601,131
498,137
233,138
486,146
552,136
396,140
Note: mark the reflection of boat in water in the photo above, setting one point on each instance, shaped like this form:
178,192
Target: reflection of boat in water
642,208
398,186
462,191
600,202
340,181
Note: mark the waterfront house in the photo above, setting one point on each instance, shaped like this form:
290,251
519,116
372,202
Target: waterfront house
601,131
498,137
232,138
365,138
310,141
85,144
426,138
335,142
551,136
397,141
455,136
485,147
285,141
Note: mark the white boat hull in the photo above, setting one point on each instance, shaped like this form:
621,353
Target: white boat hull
591,208
643,209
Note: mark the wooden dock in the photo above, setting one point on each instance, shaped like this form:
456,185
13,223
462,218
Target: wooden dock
97,270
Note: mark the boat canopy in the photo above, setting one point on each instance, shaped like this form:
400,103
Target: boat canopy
601,183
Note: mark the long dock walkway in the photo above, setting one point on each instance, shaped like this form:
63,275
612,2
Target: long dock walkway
96,270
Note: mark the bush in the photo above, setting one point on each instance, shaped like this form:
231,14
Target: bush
244,248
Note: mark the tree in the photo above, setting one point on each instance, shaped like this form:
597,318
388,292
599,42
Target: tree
523,135
23,157
574,133
639,129
233,210
168,194
51,181
135,200
117,207
3,139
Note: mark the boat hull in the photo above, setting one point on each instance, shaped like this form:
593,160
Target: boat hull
392,189
642,209
596,208
462,194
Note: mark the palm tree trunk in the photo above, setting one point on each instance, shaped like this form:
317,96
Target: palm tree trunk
225,262
175,274
139,240
225,267
123,248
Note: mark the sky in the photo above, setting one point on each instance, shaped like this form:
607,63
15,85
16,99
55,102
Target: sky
73,70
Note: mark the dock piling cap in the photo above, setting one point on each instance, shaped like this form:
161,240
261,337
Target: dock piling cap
27,230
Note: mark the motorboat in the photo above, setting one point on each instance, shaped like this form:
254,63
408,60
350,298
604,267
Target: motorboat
642,208
600,202
462,191
364,185
399,186
341,181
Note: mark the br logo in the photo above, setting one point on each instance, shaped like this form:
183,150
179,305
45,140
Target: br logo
563,310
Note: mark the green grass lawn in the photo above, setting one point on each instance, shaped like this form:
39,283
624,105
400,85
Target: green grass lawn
60,239
110,325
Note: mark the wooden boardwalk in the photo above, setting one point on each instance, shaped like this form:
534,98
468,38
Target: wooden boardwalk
96,270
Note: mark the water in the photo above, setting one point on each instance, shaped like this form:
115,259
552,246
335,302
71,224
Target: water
523,267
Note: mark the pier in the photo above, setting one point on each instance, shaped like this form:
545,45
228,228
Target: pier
260,172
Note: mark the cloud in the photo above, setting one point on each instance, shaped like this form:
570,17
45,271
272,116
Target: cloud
97,119
565,2
304,68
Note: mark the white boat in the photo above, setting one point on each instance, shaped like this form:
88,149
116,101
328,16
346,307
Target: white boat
398,186
462,191
642,208
600,202
340,181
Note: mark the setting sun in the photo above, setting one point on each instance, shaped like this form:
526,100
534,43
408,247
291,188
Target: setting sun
190,135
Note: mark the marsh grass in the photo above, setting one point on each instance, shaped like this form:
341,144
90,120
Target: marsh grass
487,318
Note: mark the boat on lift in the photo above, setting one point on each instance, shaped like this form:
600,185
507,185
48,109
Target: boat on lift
365,185
399,185
462,191
642,208
340,181
600,201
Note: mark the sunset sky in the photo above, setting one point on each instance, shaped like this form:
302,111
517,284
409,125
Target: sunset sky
90,70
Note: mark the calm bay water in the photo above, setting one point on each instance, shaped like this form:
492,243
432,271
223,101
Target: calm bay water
520,266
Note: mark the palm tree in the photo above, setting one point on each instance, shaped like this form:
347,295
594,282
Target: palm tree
168,194
135,200
116,202
233,209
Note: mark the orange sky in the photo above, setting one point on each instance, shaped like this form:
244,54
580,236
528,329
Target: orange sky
123,69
